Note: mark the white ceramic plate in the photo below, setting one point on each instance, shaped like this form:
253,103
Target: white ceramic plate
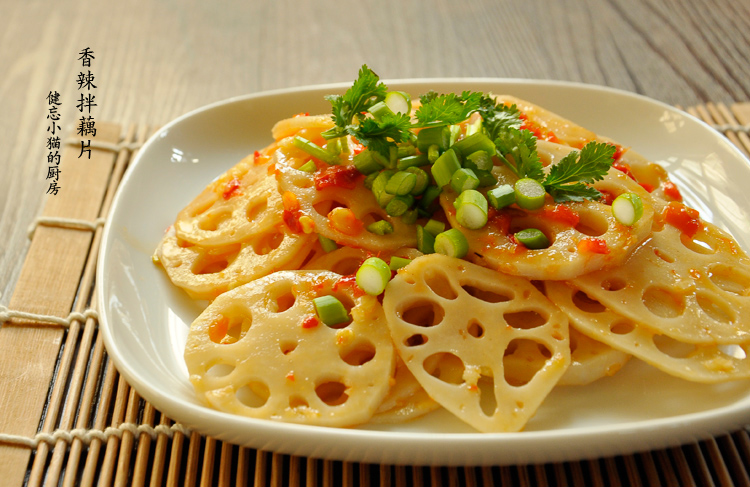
145,319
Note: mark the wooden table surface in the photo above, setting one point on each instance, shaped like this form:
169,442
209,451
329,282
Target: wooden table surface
157,60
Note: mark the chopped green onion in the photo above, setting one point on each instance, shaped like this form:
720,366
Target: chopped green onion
398,205
370,179
532,238
328,244
433,152
378,185
411,161
330,310
398,102
473,128
398,262
627,208
434,227
406,150
464,179
410,216
423,179
366,163
501,196
373,276
443,169
429,198
439,136
473,143
338,146
401,183
530,194
314,150
452,243
454,131
379,109
471,209
425,241
309,166
380,227
386,162
479,161
384,198
486,178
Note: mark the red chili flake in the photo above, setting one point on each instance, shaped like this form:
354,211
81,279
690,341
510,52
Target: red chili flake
302,114
647,187
620,166
593,245
310,322
290,376
671,191
357,147
687,220
231,188
349,282
291,212
563,214
337,176
607,197
256,156
619,151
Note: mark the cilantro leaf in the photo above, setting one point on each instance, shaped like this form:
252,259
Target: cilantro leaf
380,135
567,179
498,118
365,92
520,145
436,110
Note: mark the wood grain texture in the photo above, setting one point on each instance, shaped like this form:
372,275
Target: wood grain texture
157,60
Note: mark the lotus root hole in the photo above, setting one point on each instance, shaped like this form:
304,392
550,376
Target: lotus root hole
523,358
253,395
662,302
715,308
288,346
256,208
573,343
281,299
621,327
415,340
439,283
210,264
525,320
475,329
613,284
210,222
227,330
373,217
333,393
267,243
448,368
487,399
219,370
583,302
730,279
347,267
668,258
358,354
697,245
425,313
673,348
592,224
297,402
487,295
323,208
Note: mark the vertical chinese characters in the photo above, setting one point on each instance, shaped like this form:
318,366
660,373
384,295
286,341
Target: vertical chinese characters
53,142
86,100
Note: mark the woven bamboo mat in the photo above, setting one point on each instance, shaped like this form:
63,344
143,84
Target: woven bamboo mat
69,419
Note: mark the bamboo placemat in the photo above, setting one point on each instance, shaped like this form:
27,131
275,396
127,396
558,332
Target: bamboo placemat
67,417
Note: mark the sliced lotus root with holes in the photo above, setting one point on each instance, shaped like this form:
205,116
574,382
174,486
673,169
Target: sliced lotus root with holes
695,290
468,334
316,204
568,255
206,272
260,351
543,121
406,399
690,361
347,260
241,203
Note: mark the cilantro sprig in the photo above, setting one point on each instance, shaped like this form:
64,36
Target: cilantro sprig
569,179
437,110
348,109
